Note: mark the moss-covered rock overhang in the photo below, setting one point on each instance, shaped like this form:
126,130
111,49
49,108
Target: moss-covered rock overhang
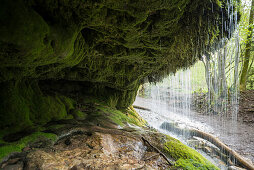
111,46
116,43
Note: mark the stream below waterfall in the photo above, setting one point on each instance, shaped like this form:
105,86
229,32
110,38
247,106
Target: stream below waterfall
236,135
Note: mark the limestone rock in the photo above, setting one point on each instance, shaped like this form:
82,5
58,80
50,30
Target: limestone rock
98,151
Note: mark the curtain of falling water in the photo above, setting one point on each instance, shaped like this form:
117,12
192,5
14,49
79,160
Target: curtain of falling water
222,79
173,94
222,73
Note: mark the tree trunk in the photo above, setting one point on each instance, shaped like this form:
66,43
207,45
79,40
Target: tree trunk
244,75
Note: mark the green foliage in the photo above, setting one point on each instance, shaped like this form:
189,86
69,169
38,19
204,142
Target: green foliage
247,30
185,157
197,82
250,82
17,146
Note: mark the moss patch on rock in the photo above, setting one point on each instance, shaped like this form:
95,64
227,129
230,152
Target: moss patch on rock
186,157
120,117
79,115
23,105
8,148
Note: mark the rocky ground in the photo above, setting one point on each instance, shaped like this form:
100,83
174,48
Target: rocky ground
90,148
238,135
246,106
97,137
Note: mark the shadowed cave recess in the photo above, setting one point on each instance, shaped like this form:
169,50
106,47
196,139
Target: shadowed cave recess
54,54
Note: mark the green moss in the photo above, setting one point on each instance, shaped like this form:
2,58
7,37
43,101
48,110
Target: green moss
69,117
122,117
68,103
24,105
186,157
132,114
32,46
55,127
2,141
190,164
100,111
79,115
19,145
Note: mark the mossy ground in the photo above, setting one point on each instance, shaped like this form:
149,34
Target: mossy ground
186,157
8,148
100,109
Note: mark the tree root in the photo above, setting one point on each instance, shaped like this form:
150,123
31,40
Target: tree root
142,108
232,155
157,150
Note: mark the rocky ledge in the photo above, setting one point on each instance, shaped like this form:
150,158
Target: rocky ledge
98,138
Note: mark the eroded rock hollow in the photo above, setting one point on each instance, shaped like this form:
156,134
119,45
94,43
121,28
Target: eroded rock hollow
51,51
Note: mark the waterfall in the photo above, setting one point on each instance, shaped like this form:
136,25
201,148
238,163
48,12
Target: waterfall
222,72
172,94
171,101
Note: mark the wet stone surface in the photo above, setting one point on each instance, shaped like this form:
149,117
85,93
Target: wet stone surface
101,149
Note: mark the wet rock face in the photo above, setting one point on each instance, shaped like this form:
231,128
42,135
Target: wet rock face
113,42
96,151
110,47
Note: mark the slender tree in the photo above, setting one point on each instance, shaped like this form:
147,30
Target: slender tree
247,54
